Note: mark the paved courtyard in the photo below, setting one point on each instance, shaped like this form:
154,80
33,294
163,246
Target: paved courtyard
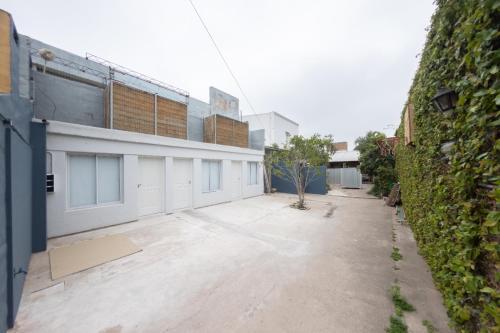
253,265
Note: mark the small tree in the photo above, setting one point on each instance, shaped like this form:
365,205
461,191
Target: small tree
300,161
268,167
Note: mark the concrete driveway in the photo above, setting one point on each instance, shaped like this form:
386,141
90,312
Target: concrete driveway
252,265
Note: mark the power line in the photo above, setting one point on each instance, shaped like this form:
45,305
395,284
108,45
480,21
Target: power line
225,62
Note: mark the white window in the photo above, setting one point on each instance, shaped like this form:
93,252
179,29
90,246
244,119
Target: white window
94,180
287,137
48,162
211,174
252,173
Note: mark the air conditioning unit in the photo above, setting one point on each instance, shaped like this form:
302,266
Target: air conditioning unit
50,183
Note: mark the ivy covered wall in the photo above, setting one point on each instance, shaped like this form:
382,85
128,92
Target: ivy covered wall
452,201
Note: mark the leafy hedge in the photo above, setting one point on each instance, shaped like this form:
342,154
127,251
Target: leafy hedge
379,168
452,204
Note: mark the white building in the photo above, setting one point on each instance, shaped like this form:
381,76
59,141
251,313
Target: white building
104,177
278,128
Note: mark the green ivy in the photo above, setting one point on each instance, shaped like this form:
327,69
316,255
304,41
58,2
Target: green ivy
376,166
452,202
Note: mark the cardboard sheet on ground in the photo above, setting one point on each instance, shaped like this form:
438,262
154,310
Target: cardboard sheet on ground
83,255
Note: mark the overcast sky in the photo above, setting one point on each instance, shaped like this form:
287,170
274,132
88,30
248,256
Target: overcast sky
336,67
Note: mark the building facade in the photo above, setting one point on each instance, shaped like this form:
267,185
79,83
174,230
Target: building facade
86,144
104,177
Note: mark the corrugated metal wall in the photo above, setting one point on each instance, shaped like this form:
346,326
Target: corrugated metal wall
317,186
350,178
333,176
19,216
345,177
15,176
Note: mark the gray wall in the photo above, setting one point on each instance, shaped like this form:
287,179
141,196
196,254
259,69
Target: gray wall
72,90
257,139
19,191
65,100
333,175
38,142
197,110
224,104
17,113
76,66
67,63
195,128
3,229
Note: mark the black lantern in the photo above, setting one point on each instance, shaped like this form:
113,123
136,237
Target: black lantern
445,99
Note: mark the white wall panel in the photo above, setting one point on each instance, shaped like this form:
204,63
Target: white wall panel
63,138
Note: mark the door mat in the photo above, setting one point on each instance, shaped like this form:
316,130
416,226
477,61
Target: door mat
83,255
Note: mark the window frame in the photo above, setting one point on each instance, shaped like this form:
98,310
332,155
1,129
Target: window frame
97,204
219,187
249,174
49,167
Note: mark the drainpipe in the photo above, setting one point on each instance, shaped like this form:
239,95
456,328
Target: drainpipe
156,114
111,104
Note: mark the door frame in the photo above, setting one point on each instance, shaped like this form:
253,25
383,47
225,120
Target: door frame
163,184
191,193
241,181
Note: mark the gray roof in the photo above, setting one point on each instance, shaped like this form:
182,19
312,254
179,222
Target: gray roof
345,156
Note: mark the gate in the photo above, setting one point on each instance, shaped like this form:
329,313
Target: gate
333,176
345,177
18,200
350,178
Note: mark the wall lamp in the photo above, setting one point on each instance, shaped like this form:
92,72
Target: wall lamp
445,99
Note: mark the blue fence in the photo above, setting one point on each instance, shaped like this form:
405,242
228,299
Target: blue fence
317,186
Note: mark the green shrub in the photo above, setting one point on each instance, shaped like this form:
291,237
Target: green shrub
452,204
400,302
396,255
428,325
384,180
379,168
396,325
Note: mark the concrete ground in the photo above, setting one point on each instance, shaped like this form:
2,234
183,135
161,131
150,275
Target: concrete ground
416,284
252,265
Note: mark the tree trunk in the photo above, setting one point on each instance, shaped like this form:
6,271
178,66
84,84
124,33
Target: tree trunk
301,200
267,179
300,192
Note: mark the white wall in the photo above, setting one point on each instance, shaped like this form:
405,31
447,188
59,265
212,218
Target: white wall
64,137
281,125
275,126
260,121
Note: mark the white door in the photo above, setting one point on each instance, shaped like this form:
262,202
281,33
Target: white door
236,180
183,178
151,187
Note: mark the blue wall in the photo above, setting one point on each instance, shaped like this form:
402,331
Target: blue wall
318,186
16,113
